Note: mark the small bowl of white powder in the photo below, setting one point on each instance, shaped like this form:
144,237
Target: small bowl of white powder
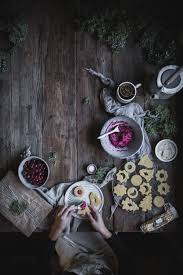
166,150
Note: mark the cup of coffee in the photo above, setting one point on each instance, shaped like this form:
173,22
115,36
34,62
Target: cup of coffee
127,91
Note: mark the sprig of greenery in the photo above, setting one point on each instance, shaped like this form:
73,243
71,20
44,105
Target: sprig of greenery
86,100
102,172
52,157
3,64
115,27
159,122
156,47
16,29
111,27
17,32
17,208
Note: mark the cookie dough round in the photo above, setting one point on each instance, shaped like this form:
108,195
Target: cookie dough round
119,190
130,167
161,175
132,192
122,176
83,212
159,201
78,191
136,180
145,188
163,188
94,199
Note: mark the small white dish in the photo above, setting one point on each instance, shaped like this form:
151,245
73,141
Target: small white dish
21,177
91,169
170,147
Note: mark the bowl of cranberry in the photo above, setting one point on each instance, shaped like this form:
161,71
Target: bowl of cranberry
33,172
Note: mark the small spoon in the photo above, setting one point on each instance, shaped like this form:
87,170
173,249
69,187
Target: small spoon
115,130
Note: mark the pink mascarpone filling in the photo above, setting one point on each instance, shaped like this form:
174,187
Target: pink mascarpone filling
122,138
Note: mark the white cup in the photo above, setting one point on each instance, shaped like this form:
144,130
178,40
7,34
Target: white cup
123,100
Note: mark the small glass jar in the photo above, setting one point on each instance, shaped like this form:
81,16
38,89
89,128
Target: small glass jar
91,169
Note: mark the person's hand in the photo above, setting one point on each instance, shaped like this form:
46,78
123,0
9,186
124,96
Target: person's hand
98,223
61,221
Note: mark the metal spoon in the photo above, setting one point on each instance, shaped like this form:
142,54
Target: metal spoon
115,130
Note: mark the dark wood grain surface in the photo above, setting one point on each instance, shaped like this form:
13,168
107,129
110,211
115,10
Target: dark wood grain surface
42,101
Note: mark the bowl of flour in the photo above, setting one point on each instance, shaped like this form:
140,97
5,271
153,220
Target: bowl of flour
166,150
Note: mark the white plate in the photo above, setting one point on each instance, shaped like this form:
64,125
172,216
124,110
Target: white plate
71,199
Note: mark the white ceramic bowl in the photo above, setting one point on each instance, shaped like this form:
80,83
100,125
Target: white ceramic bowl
132,148
159,146
21,177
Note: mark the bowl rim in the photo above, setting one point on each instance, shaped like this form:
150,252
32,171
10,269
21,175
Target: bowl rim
23,180
141,130
162,141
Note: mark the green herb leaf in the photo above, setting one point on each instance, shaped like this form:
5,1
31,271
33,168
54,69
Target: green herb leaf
86,100
17,208
102,172
160,122
3,64
114,28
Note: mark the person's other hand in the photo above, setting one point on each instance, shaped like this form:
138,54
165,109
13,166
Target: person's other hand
61,221
98,223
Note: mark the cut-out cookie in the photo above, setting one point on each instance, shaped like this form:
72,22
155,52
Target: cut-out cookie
132,192
159,201
145,188
83,212
163,188
120,190
146,203
129,205
94,199
78,191
122,176
147,174
161,175
130,167
136,180
146,162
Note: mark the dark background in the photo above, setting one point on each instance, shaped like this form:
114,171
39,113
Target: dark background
152,253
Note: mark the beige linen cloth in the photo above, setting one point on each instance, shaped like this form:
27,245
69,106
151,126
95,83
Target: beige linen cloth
85,253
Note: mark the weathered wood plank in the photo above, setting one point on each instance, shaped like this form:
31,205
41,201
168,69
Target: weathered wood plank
26,111
91,117
59,107
5,130
104,65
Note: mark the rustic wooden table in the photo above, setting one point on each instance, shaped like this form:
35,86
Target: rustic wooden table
42,102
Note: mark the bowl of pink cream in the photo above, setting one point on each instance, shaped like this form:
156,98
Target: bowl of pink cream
125,143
